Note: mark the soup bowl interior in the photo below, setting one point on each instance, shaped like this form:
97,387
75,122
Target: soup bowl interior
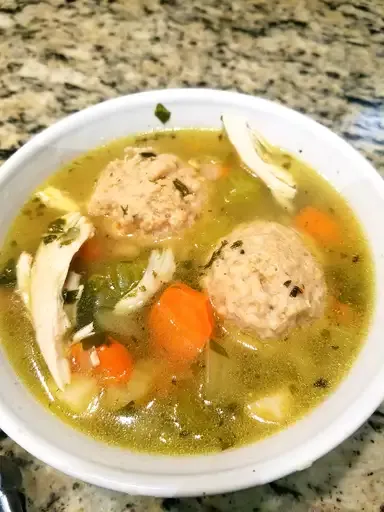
295,448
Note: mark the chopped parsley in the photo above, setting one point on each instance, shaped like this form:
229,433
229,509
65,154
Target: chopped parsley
162,113
183,189
124,209
321,383
148,154
216,254
237,244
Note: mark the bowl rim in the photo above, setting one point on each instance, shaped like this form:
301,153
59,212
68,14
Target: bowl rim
154,484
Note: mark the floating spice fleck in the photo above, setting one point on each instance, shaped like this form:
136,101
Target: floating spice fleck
295,291
218,348
356,258
237,244
216,254
148,154
242,251
287,283
124,209
183,189
321,383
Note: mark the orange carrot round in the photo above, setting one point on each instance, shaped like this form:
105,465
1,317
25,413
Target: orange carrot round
320,225
181,323
116,363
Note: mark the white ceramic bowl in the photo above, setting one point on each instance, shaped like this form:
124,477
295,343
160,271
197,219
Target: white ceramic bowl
46,437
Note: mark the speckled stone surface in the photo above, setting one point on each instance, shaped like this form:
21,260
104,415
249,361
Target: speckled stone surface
324,58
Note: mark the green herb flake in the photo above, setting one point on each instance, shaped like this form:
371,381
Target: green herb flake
154,273
69,236
183,189
162,113
237,244
143,288
56,226
124,209
218,348
216,254
47,239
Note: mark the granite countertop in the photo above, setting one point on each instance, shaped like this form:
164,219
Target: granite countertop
322,57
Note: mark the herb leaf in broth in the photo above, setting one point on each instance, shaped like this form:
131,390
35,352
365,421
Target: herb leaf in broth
162,113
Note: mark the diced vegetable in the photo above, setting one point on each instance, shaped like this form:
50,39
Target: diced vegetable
210,168
55,198
80,359
138,388
160,270
181,323
80,393
273,408
320,225
246,340
249,146
116,363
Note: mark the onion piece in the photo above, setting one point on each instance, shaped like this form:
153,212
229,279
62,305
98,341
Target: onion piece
85,332
160,270
55,198
23,278
247,143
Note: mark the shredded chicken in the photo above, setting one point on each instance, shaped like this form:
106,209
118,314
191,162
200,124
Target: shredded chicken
43,295
244,140
160,270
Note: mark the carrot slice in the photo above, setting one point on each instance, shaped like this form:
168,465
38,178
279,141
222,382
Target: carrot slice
116,363
318,224
181,323
91,250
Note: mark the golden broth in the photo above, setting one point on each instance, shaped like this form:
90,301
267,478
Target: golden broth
309,362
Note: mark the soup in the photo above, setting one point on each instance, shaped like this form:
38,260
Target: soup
165,300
